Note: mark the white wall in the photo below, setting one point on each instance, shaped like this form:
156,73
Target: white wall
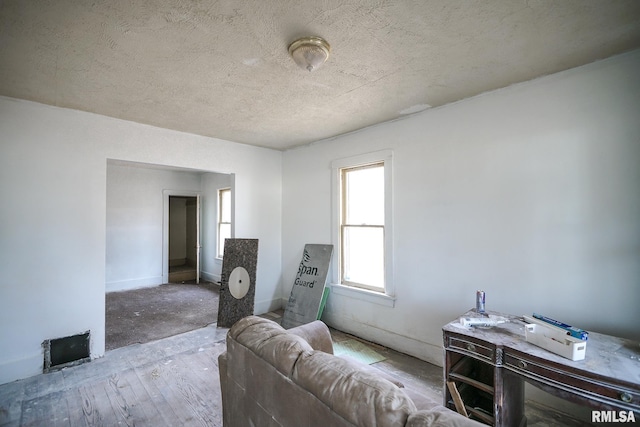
134,241
135,214
53,181
530,193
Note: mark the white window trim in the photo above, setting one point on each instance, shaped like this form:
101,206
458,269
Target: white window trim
388,297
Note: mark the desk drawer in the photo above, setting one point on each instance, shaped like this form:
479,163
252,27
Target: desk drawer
481,351
588,388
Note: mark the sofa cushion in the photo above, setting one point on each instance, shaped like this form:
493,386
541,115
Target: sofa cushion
373,370
359,396
269,341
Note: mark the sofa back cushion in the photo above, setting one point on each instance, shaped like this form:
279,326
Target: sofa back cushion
269,341
359,396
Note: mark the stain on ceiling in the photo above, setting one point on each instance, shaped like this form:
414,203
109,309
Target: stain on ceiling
222,69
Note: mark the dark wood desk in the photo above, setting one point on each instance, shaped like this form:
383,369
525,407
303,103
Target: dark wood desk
489,366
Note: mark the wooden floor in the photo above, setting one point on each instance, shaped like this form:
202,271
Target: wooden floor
173,382
170,382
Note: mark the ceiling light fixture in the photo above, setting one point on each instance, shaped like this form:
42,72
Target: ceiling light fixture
309,52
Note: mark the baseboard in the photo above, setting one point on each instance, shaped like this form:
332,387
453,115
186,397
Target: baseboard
210,277
265,306
127,285
418,349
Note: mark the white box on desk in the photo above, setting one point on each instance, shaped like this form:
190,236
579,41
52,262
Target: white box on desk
556,341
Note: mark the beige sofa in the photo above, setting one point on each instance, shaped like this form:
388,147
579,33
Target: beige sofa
275,377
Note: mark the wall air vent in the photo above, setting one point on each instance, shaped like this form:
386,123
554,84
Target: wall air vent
68,351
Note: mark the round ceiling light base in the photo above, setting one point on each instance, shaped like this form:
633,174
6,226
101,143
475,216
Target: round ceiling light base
309,52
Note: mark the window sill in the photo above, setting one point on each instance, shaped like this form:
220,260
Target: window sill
363,295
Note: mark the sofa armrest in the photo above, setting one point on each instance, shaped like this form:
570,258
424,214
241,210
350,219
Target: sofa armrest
316,334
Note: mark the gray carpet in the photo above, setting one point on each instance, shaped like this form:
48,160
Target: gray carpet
149,314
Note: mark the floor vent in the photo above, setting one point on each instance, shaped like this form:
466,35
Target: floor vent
69,351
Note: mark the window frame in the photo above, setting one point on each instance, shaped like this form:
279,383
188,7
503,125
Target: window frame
219,244
344,225
384,296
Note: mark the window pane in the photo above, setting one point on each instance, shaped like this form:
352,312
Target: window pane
364,255
224,232
225,206
364,198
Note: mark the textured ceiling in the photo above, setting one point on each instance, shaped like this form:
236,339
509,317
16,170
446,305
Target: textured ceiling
221,68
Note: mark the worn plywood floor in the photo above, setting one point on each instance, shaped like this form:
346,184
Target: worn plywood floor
169,382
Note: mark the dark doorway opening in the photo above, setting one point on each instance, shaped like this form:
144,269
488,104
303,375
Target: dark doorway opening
183,239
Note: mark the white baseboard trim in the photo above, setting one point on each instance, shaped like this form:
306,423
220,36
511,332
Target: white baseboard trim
126,285
210,277
421,350
265,306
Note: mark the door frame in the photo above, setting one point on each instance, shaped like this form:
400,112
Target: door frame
165,230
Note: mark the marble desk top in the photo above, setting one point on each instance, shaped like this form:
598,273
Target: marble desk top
609,357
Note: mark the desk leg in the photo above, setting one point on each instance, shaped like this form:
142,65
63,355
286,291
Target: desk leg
508,399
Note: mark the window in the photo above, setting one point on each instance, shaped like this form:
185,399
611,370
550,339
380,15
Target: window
362,218
362,226
224,218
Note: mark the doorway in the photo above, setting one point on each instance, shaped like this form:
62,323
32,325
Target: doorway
184,241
